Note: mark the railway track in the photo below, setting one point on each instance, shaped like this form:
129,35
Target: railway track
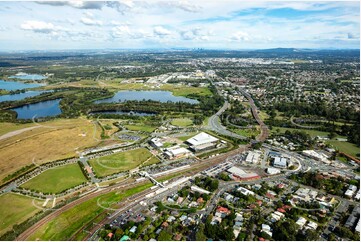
194,168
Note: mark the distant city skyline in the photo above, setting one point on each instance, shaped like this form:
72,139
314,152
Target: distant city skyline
229,24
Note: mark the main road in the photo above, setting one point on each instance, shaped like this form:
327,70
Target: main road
215,124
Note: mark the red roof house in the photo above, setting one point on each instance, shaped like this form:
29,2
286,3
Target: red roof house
223,210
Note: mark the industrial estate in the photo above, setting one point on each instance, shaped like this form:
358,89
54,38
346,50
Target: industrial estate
180,144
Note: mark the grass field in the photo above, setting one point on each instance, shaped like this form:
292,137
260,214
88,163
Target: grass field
116,84
54,140
182,122
140,127
311,132
122,161
186,90
66,224
15,209
57,179
345,147
247,132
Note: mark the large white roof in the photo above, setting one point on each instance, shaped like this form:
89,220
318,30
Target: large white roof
201,138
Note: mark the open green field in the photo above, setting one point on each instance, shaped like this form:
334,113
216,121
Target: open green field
186,90
14,210
122,161
57,179
140,127
345,147
247,132
311,132
69,222
182,122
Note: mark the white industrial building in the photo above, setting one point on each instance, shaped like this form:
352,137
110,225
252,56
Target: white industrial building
156,143
253,157
241,174
273,171
280,162
202,141
176,152
315,155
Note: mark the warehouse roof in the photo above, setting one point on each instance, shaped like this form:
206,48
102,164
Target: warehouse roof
201,138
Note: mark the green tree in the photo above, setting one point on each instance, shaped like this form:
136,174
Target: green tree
164,236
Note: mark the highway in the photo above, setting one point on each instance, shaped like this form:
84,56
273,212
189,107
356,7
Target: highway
215,124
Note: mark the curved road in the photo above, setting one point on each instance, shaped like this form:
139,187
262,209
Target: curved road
215,124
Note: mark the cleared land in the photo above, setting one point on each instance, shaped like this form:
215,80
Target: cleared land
43,144
122,161
182,122
57,179
65,225
16,209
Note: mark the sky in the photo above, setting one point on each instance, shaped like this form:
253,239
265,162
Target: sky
149,24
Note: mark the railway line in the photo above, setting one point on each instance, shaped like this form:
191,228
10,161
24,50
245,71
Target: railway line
124,185
193,169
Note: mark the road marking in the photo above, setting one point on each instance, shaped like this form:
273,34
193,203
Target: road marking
46,202
54,201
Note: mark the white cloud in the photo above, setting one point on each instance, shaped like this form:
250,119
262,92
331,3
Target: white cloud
161,31
196,33
117,23
90,21
183,5
124,32
240,36
38,26
74,4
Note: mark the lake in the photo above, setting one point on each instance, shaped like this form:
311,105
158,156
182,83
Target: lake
12,86
20,96
25,76
135,113
161,96
41,109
